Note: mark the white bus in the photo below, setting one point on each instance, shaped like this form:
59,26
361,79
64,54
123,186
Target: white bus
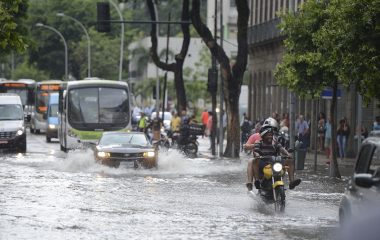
90,107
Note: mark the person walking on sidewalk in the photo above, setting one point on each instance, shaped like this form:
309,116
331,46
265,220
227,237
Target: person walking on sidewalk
328,139
343,133
321,131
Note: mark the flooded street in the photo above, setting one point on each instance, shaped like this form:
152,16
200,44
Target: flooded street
47,194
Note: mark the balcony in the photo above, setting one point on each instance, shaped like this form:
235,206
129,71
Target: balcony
264,32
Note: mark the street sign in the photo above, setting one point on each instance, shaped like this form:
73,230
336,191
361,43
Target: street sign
328,93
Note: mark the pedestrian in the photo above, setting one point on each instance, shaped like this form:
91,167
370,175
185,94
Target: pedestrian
246,129
343,133
184,118
204,119
209,127
284,121
302,130
321,131
376,124
142,123
328,136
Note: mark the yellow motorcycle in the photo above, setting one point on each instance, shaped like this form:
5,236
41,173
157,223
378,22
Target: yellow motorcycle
272,184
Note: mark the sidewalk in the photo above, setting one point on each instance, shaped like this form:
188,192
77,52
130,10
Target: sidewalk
346,165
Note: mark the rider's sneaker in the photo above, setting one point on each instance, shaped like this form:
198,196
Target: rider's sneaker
294,183
257,184
249,186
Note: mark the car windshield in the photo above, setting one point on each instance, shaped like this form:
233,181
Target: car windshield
11,112
124,139
53,110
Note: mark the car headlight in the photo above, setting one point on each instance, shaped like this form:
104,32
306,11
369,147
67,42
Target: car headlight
52,126
103,154
20,132
277,167
149,154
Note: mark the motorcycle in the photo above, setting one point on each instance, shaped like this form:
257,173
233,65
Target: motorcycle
272,184
284,138
188,145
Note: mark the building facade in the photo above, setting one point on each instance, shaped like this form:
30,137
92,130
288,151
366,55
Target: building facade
267,96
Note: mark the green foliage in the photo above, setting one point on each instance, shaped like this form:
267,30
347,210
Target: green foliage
25,70
13,32
304,69
350,39
330,40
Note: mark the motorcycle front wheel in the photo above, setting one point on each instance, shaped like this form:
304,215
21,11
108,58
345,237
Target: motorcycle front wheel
279,203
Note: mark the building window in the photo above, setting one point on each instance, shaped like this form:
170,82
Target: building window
261,11
256,12
232,3
271,9
266,11
276,6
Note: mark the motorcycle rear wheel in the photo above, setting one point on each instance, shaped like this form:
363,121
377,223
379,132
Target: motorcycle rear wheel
279,204
191,149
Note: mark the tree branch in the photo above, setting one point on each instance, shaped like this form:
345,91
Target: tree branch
185,30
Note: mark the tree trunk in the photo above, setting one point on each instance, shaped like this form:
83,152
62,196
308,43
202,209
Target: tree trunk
177,67
232,78
334,168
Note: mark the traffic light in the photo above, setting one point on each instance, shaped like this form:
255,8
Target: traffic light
103,16
212,84
154,92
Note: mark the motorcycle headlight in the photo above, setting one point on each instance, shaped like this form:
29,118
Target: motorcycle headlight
52,126
149,154
103,154
20,132
277,167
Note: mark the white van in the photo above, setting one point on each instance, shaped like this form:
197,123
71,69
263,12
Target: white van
12,128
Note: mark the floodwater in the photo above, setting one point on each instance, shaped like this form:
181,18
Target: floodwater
47,194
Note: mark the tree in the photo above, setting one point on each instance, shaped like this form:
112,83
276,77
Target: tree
177,67
13,32
350,40
304,68
232,76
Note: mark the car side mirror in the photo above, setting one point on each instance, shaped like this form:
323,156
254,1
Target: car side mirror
365,180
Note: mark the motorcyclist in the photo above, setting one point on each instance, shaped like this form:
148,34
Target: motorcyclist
267,146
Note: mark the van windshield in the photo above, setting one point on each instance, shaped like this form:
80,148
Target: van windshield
11,112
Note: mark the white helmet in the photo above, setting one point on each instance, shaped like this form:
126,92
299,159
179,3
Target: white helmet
269,123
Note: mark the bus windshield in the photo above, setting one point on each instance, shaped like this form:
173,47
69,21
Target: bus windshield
11,112
98,105
42,101
23,93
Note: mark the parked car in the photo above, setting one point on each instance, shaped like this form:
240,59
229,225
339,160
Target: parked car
12,126
167,118
52,117
363,190
132,149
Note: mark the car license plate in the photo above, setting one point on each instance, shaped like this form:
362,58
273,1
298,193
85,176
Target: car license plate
3,142
128,164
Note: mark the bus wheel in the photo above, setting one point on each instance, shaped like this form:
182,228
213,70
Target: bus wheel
31,129
37,131
48,139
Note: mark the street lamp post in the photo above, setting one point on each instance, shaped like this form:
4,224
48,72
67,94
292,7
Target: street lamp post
88,41
121,39
64,43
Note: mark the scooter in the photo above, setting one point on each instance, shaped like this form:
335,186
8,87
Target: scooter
272,184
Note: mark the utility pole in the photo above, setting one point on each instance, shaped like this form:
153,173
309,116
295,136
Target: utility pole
214,79
221,93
